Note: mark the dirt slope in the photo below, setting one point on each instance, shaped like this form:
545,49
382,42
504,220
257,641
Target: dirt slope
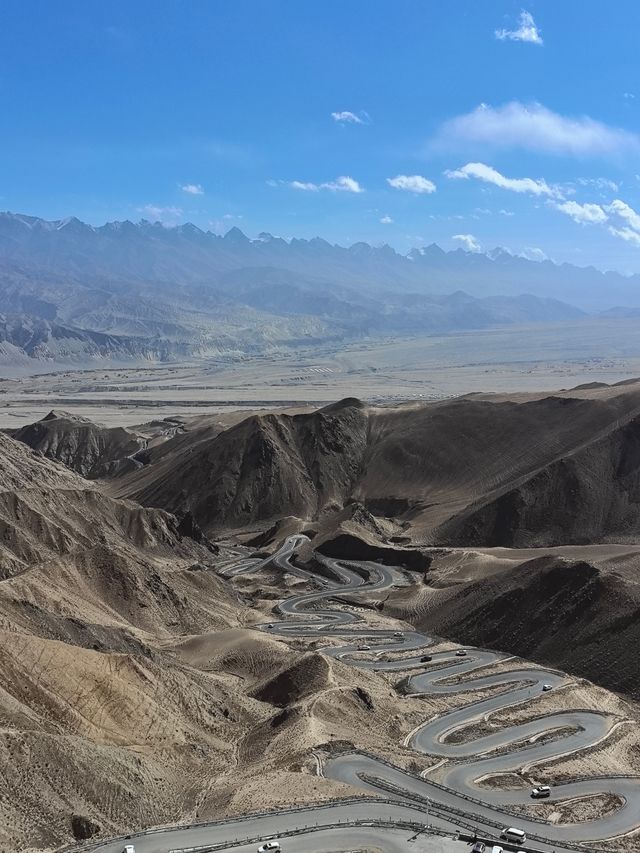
579,613
47,511
481,469
132,690
88,588
265,467
85,447
589,495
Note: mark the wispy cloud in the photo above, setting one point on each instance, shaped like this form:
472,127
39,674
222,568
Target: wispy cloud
412,183
599,184
533,253
489,175
621,219
192,189
386,220
626,213
527,30
343,184
535,128
347,117
307,186
161,214
469,242
585,214
627,234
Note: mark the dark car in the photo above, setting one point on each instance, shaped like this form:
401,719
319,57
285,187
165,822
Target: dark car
425,658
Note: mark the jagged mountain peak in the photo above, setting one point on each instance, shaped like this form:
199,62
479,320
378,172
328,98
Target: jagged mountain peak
133,255
235,235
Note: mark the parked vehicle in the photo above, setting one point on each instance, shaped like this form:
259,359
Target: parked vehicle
513,834
478,847
497,849
547,687
541,791
129,848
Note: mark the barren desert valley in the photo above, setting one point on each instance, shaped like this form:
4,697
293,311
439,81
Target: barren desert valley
368,587
214,615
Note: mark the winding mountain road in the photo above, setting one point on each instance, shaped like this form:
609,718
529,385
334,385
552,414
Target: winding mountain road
405,799
502,751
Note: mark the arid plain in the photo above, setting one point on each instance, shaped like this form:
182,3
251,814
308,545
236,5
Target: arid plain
535,357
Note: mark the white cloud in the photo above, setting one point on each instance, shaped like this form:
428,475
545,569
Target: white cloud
627,234
304,185
585,214
624,221
469,242
625,212
629,96
412,183
386,220
527,30
536,128
504,212
346,116
599,184
160,214
491,176
192,189
533,253
343,184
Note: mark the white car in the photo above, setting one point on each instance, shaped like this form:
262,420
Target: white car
461,653
129,848
363,647
512,834
541,791
547,687
269,845
398,634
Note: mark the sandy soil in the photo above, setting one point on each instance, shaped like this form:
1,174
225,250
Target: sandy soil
572,811
134,690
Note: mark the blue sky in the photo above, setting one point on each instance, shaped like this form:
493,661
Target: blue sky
465,123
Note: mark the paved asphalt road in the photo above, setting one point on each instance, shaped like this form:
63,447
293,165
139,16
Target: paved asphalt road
321,833
411,797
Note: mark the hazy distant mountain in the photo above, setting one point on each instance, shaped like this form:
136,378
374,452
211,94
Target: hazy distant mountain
153,252
161,293
24,338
